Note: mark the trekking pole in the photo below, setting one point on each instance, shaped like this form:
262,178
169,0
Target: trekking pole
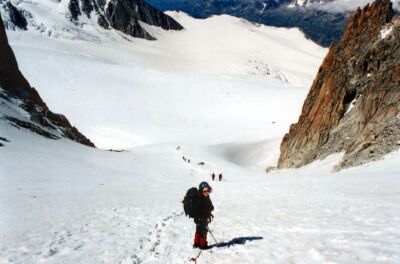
212,235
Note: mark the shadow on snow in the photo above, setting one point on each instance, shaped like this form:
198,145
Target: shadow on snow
236,241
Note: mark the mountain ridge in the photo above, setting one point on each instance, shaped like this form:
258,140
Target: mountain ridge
319,25
121,15
353,104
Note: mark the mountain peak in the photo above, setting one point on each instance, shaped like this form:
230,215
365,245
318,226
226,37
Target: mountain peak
353,104
366,23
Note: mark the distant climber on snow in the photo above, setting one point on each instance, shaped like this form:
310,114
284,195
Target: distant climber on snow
197,205
220,177
213,176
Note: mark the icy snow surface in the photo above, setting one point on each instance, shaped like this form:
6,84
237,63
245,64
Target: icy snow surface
386,31
61,202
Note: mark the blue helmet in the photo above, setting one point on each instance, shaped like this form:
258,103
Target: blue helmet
203,185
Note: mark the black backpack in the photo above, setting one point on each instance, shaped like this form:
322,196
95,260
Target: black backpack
189,200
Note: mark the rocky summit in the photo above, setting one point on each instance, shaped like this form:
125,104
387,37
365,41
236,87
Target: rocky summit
32,113
353,105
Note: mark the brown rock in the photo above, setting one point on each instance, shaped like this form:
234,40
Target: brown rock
361,72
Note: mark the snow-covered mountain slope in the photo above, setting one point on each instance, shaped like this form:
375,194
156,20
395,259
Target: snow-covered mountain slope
322,25
61,202
85,19
117,92
307,3
227,41
70,204
15,112
321,20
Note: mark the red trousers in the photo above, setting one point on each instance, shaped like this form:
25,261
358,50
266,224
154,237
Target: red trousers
199,240
200,237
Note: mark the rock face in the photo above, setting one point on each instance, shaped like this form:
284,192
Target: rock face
17,19
74,9
15,88
354,103
123,15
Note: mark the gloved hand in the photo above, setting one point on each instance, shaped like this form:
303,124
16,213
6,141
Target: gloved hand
210,218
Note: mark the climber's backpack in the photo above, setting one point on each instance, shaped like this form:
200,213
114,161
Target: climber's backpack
188,202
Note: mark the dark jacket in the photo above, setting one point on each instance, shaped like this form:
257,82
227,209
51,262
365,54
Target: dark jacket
202,207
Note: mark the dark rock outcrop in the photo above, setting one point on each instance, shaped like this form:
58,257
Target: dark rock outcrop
101,20
4,140
88,6
74,9
354,103
124,15
124,18
16,17
14,86
150,15
101,4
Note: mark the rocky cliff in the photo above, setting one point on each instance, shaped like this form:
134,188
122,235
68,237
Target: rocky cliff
15,90
124,15
353,105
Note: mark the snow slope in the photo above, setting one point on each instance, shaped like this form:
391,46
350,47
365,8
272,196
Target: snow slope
61,202
184,76
72,204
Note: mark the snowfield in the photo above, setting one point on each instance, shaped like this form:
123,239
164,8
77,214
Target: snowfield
206,90
120,93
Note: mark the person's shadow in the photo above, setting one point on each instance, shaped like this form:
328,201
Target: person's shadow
236,241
